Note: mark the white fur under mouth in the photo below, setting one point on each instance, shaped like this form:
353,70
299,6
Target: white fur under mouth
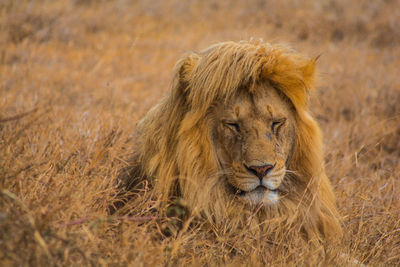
260,195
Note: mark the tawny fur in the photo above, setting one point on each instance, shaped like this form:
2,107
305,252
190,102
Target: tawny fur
175,151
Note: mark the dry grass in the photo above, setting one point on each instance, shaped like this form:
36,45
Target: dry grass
75,76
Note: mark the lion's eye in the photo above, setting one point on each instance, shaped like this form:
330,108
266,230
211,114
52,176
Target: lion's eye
276,125
233,126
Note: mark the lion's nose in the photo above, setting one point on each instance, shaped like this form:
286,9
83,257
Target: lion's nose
260,171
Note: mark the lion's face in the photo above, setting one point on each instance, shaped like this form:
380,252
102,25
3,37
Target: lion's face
254,137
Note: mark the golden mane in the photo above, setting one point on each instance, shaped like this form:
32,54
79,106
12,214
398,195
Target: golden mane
175,150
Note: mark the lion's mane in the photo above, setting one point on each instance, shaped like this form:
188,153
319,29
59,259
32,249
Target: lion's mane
175,151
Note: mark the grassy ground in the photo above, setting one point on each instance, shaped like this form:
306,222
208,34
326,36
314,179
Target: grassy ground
75,76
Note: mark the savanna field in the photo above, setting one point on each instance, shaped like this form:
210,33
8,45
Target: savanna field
76,76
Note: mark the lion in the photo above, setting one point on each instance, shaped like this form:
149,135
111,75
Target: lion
235,140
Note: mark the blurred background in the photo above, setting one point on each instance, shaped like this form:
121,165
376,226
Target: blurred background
75,76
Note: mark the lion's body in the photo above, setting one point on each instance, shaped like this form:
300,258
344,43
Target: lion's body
205,140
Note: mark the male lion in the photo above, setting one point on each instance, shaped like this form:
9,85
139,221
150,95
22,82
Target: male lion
234,139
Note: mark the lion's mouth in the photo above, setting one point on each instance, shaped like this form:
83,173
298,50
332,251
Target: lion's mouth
240,192
258,195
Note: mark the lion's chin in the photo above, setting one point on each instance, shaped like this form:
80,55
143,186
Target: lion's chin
260,195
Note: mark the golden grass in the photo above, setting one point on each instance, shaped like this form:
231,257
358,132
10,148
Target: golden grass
75,76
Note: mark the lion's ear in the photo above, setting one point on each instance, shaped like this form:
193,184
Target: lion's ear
308,71
186,67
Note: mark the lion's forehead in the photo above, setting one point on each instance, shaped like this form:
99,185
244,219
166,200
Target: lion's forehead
264,106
